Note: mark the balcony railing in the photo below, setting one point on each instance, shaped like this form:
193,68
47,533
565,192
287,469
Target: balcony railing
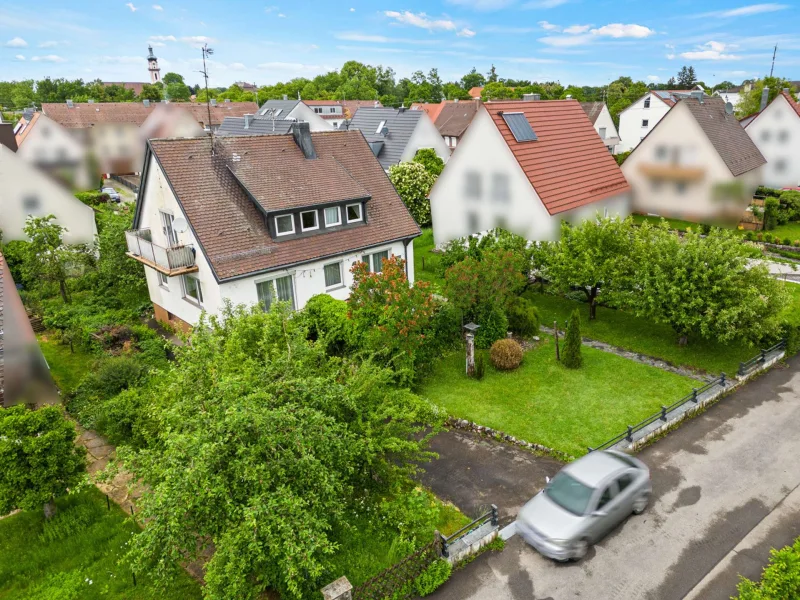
176,260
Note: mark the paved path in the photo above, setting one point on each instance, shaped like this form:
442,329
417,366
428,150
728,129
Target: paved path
725,489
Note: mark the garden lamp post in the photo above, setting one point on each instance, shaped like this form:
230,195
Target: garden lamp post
471,328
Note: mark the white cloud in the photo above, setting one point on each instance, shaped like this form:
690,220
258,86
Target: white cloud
711,51
271,9
620,30
237,66
544,3
131,6
653,78
19,57
484,5
670,56
466,33
352,10
16,42
163,38
157,44
549,26
752,9
719,46
512,30
48,44
197,41
51,58
281,16
562,41
158,7
355,36
575,29
420,20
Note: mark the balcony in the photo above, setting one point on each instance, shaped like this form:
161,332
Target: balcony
173,261
673,171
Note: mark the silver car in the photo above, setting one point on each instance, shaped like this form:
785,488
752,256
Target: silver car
583,502
112,194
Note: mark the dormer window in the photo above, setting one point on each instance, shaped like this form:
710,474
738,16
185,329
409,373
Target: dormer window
333,216
284,225
308,220
354,213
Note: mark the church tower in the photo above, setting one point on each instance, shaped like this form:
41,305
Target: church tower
152,66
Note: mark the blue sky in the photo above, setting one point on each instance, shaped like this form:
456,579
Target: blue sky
572,41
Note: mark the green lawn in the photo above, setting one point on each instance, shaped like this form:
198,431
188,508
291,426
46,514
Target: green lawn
425,261
546,403
789,230
82,543
791,314
67,368
641,335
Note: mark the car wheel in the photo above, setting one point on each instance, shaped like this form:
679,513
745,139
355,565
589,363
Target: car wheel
580,549
641,503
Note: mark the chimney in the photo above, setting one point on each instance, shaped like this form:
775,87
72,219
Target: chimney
401,110
697,95
531,97
376,104
285,97
247,120
213,102
146,103
764,99
302,137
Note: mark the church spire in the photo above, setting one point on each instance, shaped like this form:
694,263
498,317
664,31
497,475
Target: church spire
152,66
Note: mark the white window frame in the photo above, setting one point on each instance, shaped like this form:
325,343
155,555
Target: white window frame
454,141
336,286
602,132
273,278
277,229
370,254
163,280
360,213
647,102
316,220
380,126
338,216
167,228
199,300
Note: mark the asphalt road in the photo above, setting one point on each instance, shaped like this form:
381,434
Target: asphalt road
726,488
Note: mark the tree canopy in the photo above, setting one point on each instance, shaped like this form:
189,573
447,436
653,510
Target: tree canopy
750,102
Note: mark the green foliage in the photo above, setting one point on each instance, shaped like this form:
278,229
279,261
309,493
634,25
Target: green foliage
433,577
473,79
497,91
493,326
413,183
620,158
480,367
780,578
506,354
152,91
750,102
38,458
523,317
771,208
14,253
571,355
687,78
327,321
92,198
264,441
428,158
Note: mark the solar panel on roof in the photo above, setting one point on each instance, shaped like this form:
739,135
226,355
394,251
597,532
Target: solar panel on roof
519,126
663,94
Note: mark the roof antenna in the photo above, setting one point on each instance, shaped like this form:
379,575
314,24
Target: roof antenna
208,52
774,52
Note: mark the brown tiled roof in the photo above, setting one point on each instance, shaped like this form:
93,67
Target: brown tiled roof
792,102
433,110
455,117
476,91
592,110
726,134
136,86
229,225
84,115
568,165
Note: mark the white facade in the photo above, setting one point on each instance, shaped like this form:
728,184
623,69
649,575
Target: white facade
425,135
302,112
332,113
676,170
168,293
733,97
26,190
636,121
466,198
50,146
605,128
776,132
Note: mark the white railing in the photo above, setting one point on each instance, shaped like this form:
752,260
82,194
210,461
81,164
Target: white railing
140,244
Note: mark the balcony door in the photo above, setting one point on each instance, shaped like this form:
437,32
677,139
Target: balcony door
169,232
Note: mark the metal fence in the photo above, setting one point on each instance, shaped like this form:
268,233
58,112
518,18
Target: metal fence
745,368
395,582
489,516
140,244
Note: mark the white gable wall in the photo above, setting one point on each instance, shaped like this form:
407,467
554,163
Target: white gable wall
776,132
426,135
301,112
48,143
631,131
604,121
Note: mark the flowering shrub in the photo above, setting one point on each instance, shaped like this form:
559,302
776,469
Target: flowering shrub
413,183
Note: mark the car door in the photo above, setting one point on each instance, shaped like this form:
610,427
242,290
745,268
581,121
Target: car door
626,491
602,517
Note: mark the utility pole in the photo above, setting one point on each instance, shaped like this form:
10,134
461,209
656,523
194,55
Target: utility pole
774,52
208,52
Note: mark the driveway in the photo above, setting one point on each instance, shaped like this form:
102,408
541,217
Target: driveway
726,488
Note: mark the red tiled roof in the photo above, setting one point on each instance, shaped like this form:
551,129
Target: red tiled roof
332,116
28,127
792,102
568,165
476,91
231,228
433,110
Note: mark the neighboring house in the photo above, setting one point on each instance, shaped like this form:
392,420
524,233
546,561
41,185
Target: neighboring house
638,119
395,134
526,166
475,92
732,95
248,125
603,123
53,149
28,191
331,111
262,219
698,164
454,118
7,137
292,110
432,109
135,86
775,130
247,87
171,120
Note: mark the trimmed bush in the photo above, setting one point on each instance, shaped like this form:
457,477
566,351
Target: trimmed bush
769,238
93,198
493,326
434,576
327,321
779,580
750,236
506,354
571,356
787,241
523,317
771,209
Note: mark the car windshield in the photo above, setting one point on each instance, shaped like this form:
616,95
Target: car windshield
569,493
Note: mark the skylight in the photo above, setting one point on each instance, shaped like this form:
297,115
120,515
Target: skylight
519,126
380,126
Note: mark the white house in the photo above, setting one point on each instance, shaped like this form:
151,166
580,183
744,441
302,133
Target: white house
525,166
776,132
46,144
293,110
28,191
263,218
396,134
603,124
636,121
698,164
